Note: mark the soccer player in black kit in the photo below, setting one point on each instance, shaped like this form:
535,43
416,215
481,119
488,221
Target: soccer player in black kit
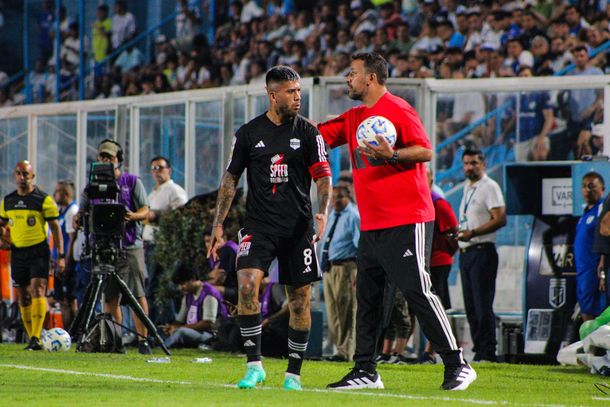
283,153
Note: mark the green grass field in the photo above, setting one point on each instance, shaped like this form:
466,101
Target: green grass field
69,379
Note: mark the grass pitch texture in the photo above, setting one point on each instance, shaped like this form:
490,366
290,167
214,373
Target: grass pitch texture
86,379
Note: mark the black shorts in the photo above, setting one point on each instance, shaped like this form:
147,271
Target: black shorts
29,262
297,260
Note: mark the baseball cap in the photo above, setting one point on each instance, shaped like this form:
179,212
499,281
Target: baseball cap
598,130
488,46
108,147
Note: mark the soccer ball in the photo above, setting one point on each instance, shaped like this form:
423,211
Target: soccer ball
376,126
55,340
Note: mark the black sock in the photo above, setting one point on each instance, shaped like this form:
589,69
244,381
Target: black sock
297,344
250,328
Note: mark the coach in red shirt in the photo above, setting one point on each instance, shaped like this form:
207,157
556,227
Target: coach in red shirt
397,220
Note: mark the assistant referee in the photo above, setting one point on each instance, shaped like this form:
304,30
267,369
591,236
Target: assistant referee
27,211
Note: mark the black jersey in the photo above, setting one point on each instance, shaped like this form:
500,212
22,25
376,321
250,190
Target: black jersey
278,159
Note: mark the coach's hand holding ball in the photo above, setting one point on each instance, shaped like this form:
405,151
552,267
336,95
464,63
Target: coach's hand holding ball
382,151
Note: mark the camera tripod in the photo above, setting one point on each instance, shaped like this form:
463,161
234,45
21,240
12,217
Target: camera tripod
86,322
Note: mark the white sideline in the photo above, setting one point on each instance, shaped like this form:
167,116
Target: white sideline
232,386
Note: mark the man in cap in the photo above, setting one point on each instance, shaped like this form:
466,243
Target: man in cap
131,268
28,210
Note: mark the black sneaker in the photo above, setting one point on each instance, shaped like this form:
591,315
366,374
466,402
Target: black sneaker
403,360
144,348
426,359
383,358
34,344
458,377
358,379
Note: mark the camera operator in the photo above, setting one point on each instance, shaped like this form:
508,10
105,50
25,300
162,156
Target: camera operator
27,210
130,267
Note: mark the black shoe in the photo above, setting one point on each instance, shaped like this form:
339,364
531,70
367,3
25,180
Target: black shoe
335,358
458,377
403,360
358,379
144,348
34,344
383,358
426,359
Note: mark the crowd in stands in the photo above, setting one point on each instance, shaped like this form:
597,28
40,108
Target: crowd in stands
434,38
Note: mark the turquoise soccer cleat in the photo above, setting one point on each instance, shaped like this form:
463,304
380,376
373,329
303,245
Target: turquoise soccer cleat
292,383
254,375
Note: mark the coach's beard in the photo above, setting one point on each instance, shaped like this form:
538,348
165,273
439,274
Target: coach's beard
286,113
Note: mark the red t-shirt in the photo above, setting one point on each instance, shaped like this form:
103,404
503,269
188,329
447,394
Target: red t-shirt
442,252
388,195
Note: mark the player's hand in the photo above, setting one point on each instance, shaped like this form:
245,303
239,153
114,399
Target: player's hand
217,242
320,219
383,151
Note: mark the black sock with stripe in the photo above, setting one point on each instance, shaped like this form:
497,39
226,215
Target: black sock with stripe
297,344
251,329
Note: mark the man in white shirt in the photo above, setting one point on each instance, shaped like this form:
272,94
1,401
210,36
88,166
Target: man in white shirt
123,24
482,212
165,196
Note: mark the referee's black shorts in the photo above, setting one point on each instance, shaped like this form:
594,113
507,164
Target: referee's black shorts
297,260
29,262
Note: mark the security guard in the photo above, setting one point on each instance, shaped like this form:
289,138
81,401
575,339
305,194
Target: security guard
27,210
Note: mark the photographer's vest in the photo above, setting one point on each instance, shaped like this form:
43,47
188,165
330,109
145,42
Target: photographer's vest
194,311
127,184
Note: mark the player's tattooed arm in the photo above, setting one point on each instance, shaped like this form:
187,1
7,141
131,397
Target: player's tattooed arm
226,193
324,185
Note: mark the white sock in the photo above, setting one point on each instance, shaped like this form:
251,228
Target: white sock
298,377
257,363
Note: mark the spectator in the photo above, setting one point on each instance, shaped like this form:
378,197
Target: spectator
166,196
223,274
344,44
482,212
102,30
339,249
530,29
403,41
39,81
592,302
256,72
44,26
517,56
130,59
560,57
200,311
541,52
583,103
535,122
188,22
123,24
473,35
447,34
575,20
250,10
70,49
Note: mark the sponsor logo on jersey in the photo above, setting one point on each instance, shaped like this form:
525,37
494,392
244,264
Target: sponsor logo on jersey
244,244
295,143
278,171
20,204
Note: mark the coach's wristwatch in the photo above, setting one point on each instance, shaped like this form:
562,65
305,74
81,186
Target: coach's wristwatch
394,159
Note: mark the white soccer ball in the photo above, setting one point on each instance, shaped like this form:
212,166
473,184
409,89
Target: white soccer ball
376,126
55,340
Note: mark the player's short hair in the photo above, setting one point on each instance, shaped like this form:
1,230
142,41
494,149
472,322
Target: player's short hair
373,63
474,151
67,186
281,73
595,174
183,272
160,157
580,48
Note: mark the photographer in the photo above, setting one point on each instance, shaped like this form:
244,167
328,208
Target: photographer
130,266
